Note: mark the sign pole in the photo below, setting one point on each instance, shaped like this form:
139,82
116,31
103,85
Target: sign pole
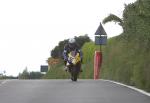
100,39
100,45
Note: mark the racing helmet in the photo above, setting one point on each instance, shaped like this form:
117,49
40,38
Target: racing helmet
72,40
72,43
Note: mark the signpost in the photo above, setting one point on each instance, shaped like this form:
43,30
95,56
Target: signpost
100,39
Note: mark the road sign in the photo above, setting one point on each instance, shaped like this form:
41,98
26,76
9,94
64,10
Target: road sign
100,40
100,30
44,68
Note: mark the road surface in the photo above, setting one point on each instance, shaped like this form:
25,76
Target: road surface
65,91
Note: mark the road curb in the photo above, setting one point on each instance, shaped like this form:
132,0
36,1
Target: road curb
131,87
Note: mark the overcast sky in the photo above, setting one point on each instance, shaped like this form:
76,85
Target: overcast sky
30,29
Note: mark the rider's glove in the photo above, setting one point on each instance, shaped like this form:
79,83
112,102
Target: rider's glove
65,58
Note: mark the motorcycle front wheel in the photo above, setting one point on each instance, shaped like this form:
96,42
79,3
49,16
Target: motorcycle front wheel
74,78
74,74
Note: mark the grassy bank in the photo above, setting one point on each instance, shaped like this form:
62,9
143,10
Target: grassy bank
126,62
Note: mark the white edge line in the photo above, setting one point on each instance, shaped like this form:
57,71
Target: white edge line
3,82
131,87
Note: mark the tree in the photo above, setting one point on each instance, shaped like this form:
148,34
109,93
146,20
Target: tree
24,74
30,75
82,39
35,75
115,19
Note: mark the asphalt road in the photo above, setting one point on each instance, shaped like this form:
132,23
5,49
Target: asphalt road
66,91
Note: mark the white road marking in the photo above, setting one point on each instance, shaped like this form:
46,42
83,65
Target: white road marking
131,87
3,82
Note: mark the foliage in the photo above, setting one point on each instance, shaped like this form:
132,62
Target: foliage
30,75
53,61
35,75
24,74
88,60
126,62
137,24
7,77
114,18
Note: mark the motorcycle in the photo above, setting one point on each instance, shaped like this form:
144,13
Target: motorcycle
74,64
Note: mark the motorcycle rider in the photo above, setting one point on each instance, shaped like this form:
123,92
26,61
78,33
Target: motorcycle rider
71,46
